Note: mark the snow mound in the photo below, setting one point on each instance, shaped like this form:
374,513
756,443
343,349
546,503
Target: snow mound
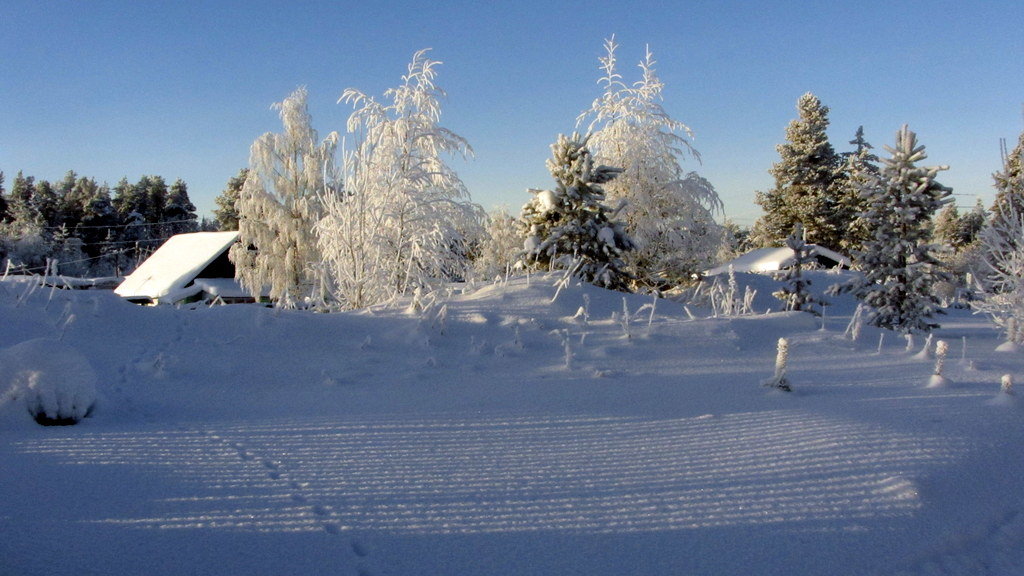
50,381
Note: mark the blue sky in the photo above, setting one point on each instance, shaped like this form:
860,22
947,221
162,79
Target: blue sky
181,89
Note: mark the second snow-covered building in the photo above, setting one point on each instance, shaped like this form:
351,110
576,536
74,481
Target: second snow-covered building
186,268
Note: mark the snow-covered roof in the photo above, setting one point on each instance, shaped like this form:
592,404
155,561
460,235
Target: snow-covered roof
167,273
772,259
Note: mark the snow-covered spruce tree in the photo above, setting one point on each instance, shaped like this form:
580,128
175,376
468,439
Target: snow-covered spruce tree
226,212
899,265
669,213
179,211
857,168
278,206
570,227
794,292
808,183
401,219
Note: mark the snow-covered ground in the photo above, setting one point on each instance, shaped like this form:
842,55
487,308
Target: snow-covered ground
503,434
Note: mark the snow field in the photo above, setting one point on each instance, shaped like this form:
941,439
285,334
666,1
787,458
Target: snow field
244,439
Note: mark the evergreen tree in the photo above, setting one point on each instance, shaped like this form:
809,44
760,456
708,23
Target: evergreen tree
44,202
900,268
399,223
857,168
226,212
278,207
131,201
794,292
808,185
570,227
179,211
3,199
946,228
668,212
21,209
99,221
971,224
155,189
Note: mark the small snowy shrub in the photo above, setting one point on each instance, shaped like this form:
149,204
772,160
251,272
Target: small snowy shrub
937,380
1006,384
51,381
780,381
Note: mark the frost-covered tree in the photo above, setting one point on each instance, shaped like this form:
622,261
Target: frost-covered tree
794,291
279,204
570,227
500,247
1009,201
1002,285
401,219
669,213
1009,182
899,263
226,212
808,183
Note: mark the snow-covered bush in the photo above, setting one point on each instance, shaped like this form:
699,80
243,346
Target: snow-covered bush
50,381
779,380
937,380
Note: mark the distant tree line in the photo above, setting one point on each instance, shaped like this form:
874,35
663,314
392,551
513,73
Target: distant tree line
85,228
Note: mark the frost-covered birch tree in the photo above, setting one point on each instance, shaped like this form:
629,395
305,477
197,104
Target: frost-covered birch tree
278,206
570,227
899,263
1009,201
500,248
401,220
669,213
1002,283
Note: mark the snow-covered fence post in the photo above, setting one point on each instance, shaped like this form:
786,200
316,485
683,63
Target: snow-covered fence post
780,381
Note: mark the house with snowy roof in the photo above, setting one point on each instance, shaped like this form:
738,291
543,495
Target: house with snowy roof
190,267
775,259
